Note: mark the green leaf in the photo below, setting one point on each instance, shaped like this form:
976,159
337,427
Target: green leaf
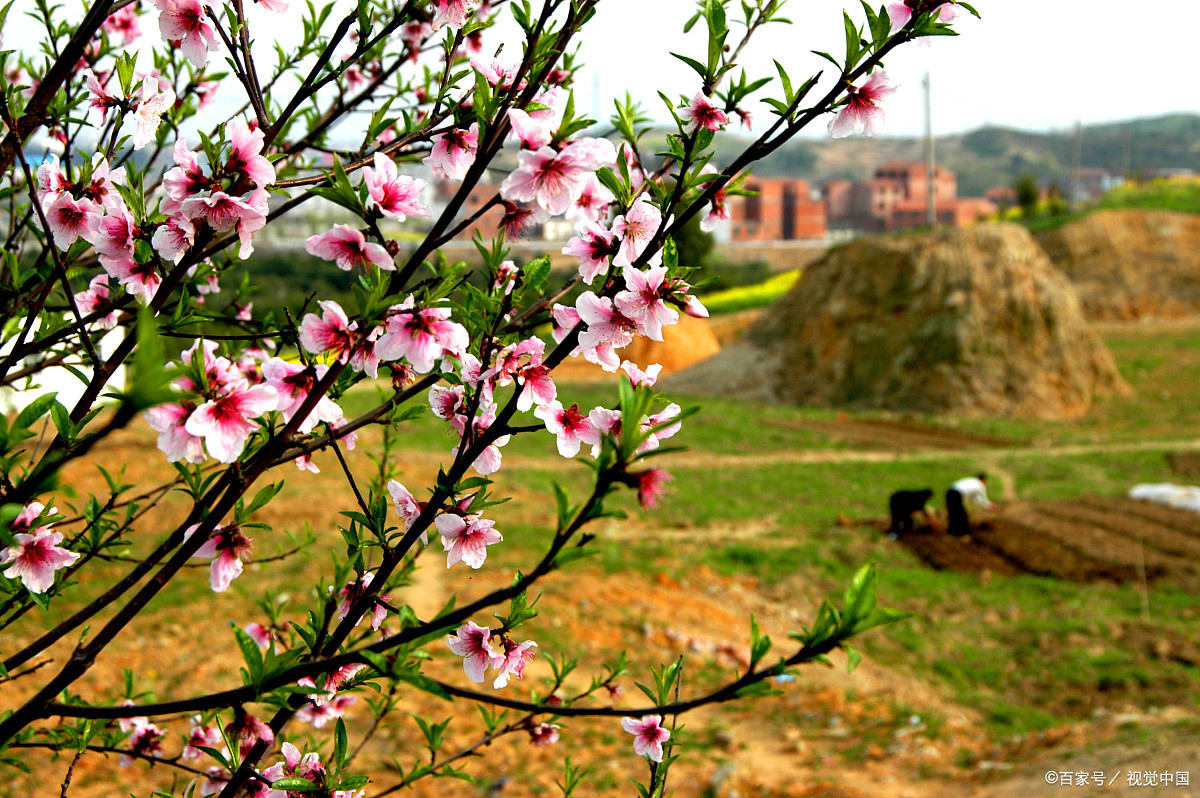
853,39
250,653
613,183
757,690
828,58
759,644
424,684
536,272
701,69
860,598
853,658
34,411
351,783
151,383
881,616
62,422
262,497
341,744
788,95
294,784
125,65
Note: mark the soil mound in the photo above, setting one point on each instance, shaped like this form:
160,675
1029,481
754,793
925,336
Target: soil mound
683,344
973,321
1130,264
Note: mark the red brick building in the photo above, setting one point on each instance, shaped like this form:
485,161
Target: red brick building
896,197
782,210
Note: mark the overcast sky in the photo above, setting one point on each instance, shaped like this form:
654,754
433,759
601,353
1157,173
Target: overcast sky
1034,64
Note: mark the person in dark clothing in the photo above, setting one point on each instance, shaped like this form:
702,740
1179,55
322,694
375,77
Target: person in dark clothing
905,503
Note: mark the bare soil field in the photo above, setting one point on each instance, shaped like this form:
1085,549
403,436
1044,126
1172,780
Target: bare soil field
1087,539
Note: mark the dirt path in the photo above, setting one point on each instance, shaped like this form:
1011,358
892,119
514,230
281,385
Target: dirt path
710,460
894,434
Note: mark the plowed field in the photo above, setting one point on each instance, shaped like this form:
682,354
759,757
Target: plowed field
1086,539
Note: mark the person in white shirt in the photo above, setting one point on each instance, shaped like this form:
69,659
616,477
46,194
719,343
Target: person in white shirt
973,489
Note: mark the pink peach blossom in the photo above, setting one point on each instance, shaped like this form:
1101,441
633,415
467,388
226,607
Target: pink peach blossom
248,731
71,219
124,23
861,112
187,22
226,547
453,152
330,334
52,180
594,246
354,590
407,506
187,177
589,206
394,195
637,377
452,13
513,661
543,734
225,422
702,113
648,736
98,293
606,324
901,13
569,426
173,438
518,220
636,228
420,336
319,714
643,300
293,383
147,114
245,154
99,100
145,740
200,735
36,555
349,248
263,636
466,539
553,180
139,279
333,682
472,643
651,485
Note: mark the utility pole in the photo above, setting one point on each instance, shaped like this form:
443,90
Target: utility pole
930,165
1128,153
1077,158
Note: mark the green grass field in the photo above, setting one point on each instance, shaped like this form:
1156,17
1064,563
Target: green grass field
1027,652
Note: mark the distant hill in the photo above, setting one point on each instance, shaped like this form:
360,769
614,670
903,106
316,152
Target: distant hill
996,156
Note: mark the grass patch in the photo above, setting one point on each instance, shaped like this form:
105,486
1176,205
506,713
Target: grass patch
748,297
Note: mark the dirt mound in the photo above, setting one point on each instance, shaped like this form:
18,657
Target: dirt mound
973,321
1130,264
683,344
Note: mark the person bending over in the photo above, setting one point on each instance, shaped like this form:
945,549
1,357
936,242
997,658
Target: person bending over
969,489
904,503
